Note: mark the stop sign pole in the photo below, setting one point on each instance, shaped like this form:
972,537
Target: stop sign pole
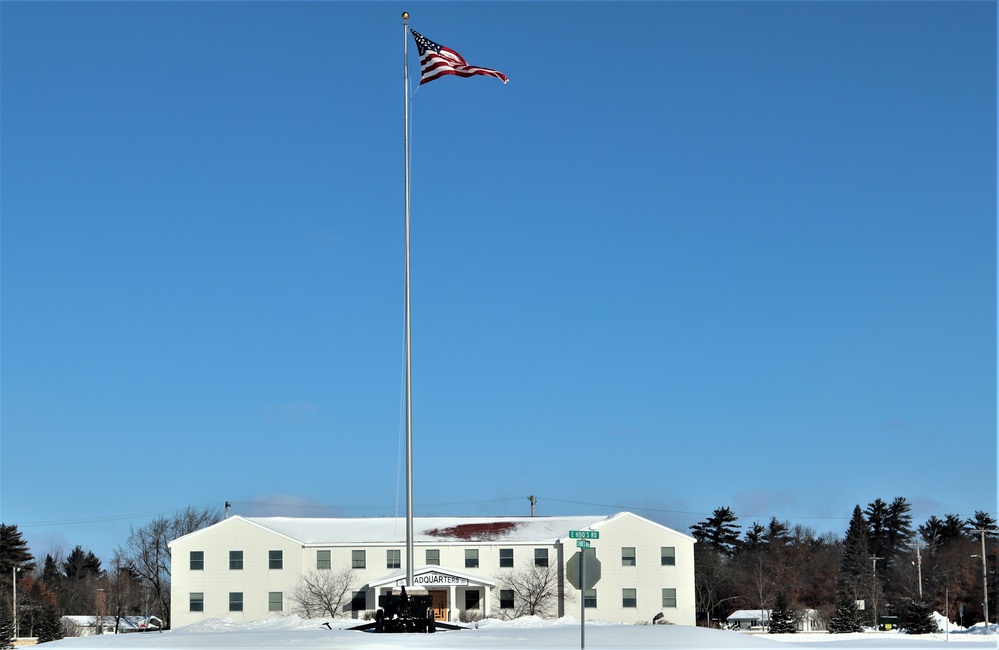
582,593
583,538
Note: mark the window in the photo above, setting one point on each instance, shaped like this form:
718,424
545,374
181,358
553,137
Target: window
506,557
359,600
541,557
197,560
275,601
472,599
393,558
197,601
506,598
358,560
235,560
275,559
433,556
590,598
669,555
629,598
323,560
471,558
235,601
628,556
669,597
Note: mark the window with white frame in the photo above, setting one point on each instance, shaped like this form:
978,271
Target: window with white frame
471,558
629,598
358,559
628,556
197,560
541,557
669,555
506,558
323,559
197,601
275,601
506,598
275,559
235,601
393,558
235,560
433,557
589,598
669,597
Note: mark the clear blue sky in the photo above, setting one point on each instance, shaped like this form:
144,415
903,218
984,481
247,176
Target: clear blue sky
693,255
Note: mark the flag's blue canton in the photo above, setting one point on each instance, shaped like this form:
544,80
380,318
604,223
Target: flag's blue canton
423,43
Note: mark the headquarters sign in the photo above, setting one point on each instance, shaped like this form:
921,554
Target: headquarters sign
434,579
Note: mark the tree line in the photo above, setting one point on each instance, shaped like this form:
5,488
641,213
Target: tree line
136,581
881,566
881,561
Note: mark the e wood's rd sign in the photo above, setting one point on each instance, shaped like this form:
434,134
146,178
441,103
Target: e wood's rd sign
584,534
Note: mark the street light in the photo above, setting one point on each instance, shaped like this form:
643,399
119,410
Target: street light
13,572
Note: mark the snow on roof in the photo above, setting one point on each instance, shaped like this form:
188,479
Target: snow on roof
392,530
124,622
748,615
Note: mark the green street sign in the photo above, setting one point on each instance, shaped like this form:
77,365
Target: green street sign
584,534
582,543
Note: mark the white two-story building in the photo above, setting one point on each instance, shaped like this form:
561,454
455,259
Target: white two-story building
248,568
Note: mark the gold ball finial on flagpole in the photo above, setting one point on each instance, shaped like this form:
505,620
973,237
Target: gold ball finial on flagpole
405,15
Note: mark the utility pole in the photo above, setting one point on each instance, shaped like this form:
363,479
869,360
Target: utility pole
875,587
985,573
533,501
918,544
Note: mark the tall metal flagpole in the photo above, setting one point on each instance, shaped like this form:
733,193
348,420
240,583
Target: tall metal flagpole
409,389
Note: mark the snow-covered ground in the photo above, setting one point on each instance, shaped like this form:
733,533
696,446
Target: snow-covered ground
524,633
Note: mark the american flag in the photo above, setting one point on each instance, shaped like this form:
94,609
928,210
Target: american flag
437,61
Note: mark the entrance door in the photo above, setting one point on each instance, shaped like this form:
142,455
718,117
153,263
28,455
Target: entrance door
440,604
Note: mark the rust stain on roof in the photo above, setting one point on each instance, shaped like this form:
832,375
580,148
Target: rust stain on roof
484,531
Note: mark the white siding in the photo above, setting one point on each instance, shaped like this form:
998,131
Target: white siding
255,581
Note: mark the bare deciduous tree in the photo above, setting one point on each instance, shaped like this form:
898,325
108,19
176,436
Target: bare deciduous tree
324,592
147,555
535,591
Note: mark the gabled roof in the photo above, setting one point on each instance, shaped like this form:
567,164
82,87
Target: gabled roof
427,530
391,530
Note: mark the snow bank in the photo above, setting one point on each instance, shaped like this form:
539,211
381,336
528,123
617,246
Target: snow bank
525,633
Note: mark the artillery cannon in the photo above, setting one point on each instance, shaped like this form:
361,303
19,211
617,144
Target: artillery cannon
405,612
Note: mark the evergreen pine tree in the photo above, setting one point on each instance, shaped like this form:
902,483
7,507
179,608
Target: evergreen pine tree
14,551
847,616
855,567
782,619
6,630
49,627
918,618
719,531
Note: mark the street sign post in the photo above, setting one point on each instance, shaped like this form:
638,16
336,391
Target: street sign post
583,572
